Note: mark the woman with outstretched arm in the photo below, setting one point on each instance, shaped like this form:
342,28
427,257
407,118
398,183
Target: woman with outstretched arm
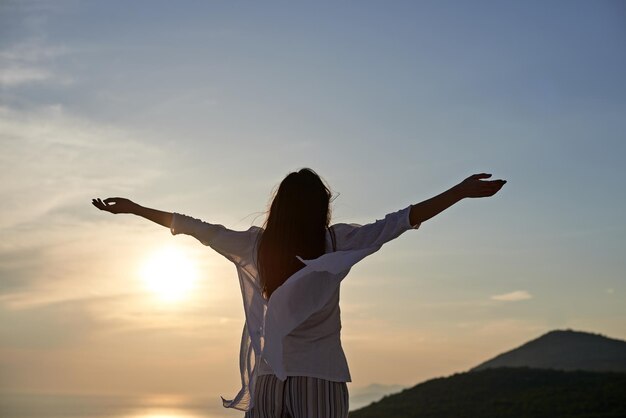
291,359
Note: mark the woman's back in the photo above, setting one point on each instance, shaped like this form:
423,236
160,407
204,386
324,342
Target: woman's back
314,347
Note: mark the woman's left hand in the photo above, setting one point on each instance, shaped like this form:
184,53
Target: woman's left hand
115,205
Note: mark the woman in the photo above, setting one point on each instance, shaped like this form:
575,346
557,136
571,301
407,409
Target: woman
291,360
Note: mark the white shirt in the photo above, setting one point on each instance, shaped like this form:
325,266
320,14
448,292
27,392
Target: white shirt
296,332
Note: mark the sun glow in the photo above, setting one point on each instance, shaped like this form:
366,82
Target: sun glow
169,274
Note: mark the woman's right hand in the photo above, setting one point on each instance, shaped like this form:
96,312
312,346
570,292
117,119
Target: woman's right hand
474,187
115,205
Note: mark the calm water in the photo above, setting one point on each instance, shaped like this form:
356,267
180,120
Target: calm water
20,405
79,406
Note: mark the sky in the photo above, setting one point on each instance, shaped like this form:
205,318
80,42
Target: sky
202,108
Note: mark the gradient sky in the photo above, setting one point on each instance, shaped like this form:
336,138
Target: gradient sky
203,107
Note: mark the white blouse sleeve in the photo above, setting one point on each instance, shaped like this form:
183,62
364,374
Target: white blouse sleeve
236,246
355,236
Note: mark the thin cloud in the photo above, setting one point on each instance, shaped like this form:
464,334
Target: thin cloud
32,51
54,159
513,296
18,75
31,62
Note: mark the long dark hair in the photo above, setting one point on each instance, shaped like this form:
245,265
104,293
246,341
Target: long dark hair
295,226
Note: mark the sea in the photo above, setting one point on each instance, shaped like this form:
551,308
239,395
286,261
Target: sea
39,405
30,405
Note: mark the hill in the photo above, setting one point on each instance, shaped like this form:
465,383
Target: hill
508,392
565,350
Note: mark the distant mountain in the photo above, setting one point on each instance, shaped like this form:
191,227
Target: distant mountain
563,373
565,350
362,396
508,393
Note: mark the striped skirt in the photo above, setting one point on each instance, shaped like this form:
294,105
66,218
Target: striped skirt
298,397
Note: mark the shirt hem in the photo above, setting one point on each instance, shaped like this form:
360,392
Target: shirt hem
310,374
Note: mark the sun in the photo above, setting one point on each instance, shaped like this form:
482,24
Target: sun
169,274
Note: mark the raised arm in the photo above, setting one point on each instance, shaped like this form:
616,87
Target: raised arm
237,246
122,205
470,187
355,236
